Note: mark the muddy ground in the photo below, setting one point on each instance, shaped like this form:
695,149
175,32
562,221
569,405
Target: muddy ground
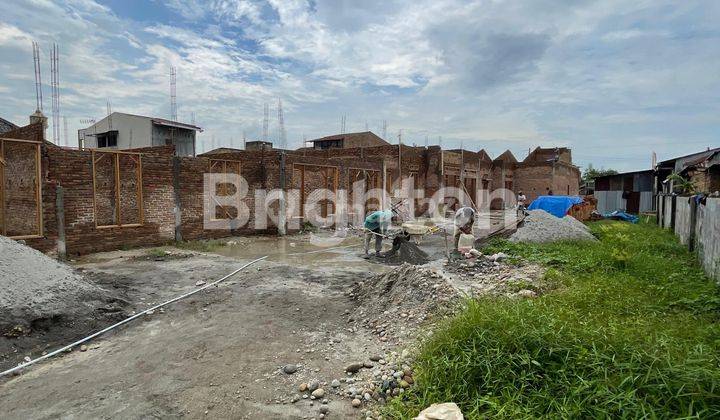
218,353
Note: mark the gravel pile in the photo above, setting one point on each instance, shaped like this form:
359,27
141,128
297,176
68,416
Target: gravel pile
541,226
393,303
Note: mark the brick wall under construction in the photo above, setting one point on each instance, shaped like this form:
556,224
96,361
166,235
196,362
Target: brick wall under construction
112,200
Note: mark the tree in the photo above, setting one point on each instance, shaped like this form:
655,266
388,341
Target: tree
684,186
591,173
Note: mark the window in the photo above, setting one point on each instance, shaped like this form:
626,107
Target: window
329,144
108,139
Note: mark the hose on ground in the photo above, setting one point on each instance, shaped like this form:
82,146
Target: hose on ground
126,320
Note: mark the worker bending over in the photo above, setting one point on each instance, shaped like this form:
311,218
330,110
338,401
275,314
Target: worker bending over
464,221
376,224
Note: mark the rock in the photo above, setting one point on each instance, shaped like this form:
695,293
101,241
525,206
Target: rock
290,369
318,393
408,379
199,283
335,383
354,368
445,411
303,387
83,347
526,293
313,385
356,402
324,409
368,365
404,384
375,358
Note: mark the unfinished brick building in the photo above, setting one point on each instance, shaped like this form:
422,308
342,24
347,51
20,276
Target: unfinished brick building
81,201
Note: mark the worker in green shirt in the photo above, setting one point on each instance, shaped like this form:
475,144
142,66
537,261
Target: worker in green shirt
376,224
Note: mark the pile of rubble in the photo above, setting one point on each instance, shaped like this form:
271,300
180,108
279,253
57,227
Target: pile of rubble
540,226
494,275
394,303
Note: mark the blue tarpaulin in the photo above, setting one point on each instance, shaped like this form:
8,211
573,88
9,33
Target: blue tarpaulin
621,215
557,205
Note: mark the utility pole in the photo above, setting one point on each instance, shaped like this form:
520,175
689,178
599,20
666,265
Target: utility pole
266,118
173,93
282,136
38,79
55,85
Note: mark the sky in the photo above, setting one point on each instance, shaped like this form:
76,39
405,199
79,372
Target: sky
614,80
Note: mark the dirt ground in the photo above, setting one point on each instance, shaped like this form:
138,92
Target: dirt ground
218,353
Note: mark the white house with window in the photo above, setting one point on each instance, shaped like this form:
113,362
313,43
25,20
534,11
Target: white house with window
127,131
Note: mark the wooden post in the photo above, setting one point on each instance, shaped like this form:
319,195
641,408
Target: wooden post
60,212
693,224
672,212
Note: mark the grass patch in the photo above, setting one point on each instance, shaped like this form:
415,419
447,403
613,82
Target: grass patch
632,331
209,245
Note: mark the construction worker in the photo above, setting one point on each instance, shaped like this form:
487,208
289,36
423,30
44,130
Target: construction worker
464,221
521,202
376,224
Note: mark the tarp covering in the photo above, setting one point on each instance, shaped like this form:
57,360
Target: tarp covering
557,205
621,215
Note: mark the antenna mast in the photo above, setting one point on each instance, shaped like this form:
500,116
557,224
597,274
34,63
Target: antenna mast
282,136
173,93
384,130
38,80
55,85
343,122
266,117
67,139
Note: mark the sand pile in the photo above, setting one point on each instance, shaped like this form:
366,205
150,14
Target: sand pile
541,226
35,287
391,304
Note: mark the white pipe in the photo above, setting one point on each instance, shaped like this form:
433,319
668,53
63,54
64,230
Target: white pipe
69,346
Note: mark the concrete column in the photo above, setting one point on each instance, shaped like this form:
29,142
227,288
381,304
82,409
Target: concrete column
60,213
176,194
384,185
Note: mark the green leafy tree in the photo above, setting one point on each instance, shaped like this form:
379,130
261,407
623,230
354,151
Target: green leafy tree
680,184
591,173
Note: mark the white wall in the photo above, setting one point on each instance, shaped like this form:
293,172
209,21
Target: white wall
133,131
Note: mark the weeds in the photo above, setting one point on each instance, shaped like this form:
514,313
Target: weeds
201,245
633,333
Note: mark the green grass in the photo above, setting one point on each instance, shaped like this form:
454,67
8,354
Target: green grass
204,245
631,331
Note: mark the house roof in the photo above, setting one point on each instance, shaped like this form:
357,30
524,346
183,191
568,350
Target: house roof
507,156
176,124
347,136
700,155
6,125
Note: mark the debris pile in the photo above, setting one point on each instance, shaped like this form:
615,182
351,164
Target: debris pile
391,304
492,275
540,226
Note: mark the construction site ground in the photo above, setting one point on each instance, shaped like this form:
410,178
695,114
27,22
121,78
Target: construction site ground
218,353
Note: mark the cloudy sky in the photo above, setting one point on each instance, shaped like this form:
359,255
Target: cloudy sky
613,79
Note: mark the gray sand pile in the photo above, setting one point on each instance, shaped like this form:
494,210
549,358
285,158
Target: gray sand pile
541,226
34,286
403,252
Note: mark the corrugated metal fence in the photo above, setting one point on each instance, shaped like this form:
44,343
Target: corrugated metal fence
696,224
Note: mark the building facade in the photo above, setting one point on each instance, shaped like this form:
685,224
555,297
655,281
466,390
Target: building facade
120,131
630,191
